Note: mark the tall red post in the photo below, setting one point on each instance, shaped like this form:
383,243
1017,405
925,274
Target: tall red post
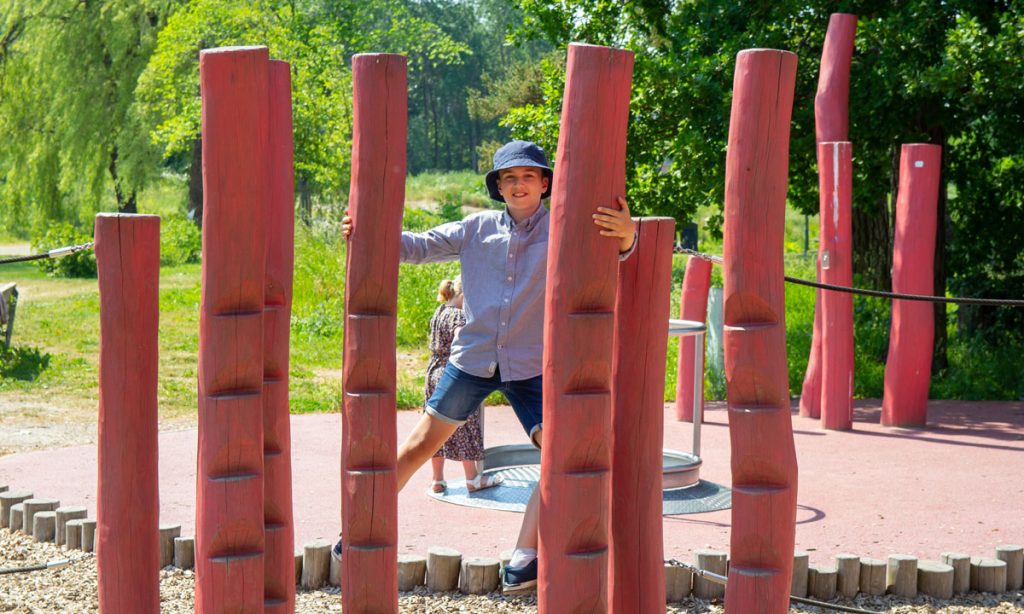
636,554
835,181
831,123
369,499
694,307
127,490
908,369
279,528
236,194
764,471
578,329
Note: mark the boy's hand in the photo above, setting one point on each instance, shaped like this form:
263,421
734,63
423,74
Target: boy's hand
617,223
346,226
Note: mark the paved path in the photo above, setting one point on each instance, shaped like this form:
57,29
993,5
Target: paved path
957,485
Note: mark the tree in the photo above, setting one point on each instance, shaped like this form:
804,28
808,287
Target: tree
68,70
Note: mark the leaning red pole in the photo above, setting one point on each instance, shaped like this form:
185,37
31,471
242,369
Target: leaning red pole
694,307
835,181
831,123
636,555
236,194
909,365
578,330
369,499
127,490
764,470
279,578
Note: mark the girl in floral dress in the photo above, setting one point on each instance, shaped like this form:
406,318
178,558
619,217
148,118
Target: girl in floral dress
467,443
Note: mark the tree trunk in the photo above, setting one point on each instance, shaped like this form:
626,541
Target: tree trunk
940,360
195,184
305,200
872,235
126,203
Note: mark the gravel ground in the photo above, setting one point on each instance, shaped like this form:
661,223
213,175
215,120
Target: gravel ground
73,589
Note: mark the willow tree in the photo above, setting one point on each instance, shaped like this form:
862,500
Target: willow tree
71,139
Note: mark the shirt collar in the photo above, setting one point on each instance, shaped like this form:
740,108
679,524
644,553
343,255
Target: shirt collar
529,222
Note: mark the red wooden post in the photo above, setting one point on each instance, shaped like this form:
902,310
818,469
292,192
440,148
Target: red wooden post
279,578
831,123
835,180
909,366
578,330
369,499
764,471
127,491
236,195
636,556
694,307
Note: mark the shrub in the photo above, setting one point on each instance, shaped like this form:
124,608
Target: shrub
78,264
450,207
180,241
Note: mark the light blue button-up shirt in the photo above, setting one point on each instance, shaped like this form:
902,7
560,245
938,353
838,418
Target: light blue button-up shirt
504,272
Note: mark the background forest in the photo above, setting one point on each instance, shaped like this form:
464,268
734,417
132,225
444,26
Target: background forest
99,111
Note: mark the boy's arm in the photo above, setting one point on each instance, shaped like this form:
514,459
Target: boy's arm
619,224
435,245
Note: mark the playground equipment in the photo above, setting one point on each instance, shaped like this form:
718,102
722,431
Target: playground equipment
127,495
693,306
909,364
764,468
831,122
369,505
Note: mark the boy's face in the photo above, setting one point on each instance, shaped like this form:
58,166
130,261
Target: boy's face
522,187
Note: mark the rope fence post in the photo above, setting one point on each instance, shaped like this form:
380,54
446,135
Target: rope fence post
764,470
127,489
908,367
229,538
579,328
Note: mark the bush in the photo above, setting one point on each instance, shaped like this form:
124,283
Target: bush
419,220
450,207
180,241
78,264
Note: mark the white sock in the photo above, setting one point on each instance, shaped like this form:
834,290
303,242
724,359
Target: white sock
522,556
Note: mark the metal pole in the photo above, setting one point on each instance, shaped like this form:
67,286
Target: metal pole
698,389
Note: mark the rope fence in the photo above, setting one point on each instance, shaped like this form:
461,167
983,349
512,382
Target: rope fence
53,253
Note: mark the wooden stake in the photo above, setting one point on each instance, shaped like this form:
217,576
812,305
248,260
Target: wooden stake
316,564
478,575
873,576
1013,556
412,570
16,517
935,579
7,500
64,514
848,579
443,566
678,583
801,561
168,533
73,534
901,575
961,564
715,562
44,526
988,575
184,552
88,535
31,507
821,581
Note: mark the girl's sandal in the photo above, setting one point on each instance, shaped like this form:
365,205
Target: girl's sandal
481,481
438,486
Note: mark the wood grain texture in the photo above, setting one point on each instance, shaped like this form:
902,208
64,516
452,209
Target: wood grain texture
636,554
694,307
764,470
229,540
579,325
835,180
279,527
908,368
831,123
127,497
369,499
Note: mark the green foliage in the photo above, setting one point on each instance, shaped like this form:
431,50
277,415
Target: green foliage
68,71
419,220
450,207
180,241
23,363
78,264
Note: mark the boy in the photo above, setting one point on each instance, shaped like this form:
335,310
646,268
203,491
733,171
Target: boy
503,255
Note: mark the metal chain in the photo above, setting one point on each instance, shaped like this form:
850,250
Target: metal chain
53,253
994,302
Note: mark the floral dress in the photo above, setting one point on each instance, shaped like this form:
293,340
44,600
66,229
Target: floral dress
467,442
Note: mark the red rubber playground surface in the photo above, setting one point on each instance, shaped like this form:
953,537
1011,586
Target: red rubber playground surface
957,485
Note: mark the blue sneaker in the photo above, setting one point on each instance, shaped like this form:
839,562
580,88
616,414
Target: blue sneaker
336,551
518,580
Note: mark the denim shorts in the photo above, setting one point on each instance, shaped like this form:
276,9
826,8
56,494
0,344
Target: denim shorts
459,394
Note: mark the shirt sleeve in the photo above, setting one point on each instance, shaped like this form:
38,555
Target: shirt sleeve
632,248
438,244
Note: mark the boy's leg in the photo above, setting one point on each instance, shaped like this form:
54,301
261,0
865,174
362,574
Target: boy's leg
425,439
531,519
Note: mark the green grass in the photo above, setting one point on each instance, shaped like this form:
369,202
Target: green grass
466,187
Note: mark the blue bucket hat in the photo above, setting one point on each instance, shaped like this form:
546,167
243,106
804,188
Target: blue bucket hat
517,153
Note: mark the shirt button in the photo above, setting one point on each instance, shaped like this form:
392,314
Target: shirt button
500,346
503,323
509,278
506,300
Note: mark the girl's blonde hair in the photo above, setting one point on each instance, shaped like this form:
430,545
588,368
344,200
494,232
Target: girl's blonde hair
449,289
